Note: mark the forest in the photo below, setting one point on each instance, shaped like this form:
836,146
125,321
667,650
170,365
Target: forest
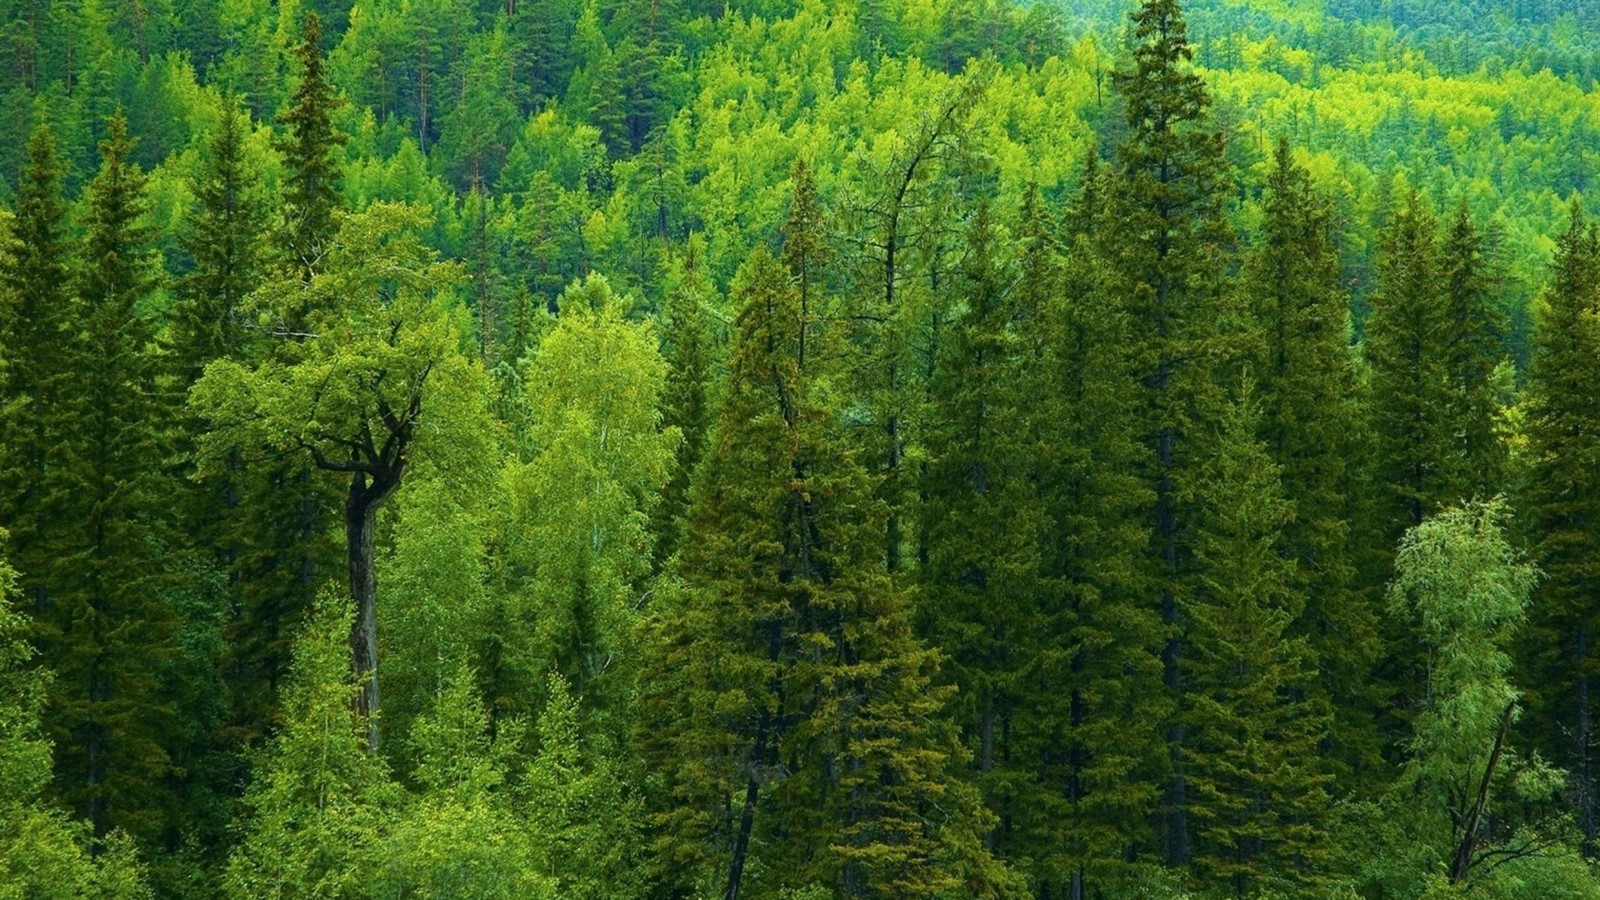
797,449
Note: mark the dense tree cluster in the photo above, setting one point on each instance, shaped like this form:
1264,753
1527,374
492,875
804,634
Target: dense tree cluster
874,449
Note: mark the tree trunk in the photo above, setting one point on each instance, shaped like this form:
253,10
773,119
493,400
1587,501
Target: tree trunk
360,515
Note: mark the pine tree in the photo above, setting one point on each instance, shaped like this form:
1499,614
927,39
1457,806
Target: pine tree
1563,434
1307,382
1259,787
1171,238
804,749
108,626
983,523
311,191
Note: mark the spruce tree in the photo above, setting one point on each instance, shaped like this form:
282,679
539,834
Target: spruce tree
1103,682
224,239
42,852
310,158
1474,333
1563,500
108,626
1307,382
1411,393
36,319
1170,244
983,523
686,398
789,708
1255,726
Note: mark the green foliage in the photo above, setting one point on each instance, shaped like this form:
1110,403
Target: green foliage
42,852
319,804
1253,733
1560,413
686,400
1467,801
597,457
816,672
962,572
1309,421
983,522
309,151
1165,235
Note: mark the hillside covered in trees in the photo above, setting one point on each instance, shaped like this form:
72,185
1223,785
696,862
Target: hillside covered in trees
614,449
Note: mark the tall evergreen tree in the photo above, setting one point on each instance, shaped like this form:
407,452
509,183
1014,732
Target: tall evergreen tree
36,319
1411,392
1170,240
310,157
224,239
1563,500
41,850
108,627
983,523
1307,382
1260,786
804,749
1474,335
686,398
1104,682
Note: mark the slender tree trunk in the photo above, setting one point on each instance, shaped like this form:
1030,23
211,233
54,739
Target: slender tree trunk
360,516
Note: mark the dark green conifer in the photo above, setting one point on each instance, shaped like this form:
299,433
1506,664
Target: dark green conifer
1103,679
36,319
311,189
1563,500
790,707
1255,725
1307,383
224,239
983,523
1411,392
1169,243
108,628
686,402
1474,335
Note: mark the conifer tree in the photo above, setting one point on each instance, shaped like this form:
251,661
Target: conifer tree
108,626
224,239
42,853
1411,395
1104,682
983,523
1474,333
1171,237
1563,434
1307,382
804,749
311,190
36,356
686,397
1259,786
